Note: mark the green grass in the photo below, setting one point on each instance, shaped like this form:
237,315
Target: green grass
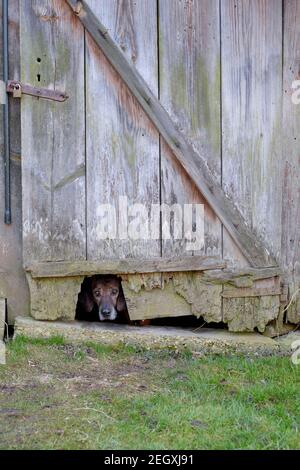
55,395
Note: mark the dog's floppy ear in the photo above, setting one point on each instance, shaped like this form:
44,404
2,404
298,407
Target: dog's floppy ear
85,297
86,301
121,302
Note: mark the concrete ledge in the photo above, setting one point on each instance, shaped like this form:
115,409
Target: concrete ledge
204,341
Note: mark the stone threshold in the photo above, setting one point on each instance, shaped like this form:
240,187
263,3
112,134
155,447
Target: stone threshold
201,341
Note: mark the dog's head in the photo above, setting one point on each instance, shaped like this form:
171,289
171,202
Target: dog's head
106,292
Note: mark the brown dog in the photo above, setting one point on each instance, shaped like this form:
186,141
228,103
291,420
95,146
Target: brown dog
101,298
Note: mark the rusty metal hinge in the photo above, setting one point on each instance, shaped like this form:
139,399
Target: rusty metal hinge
18,89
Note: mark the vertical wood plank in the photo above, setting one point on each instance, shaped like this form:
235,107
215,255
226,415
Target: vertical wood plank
189,63
53,134
122,144
14,74
251,32
13,285
291,155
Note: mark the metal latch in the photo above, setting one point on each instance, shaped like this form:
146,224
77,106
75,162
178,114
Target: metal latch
18,89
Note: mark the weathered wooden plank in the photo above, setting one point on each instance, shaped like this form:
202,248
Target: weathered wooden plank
250,313
53,299
53,134
191,161
122,143
242,277
250,292
2,317
251,116
290,248
14,74
123,266
156,303
180,294
13,284
189,65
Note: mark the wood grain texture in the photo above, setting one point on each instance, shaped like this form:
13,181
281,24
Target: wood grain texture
179,294
250,313
290,248
122,143
192,162
122,266
14,74
189,64
13,285
251,116
2,318
245,277
53,134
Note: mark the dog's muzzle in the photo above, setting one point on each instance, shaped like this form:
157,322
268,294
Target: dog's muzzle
109,314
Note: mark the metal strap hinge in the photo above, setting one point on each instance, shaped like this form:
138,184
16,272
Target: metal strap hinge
18,89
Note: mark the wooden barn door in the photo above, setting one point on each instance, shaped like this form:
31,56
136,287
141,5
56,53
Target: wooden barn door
152,118
108,145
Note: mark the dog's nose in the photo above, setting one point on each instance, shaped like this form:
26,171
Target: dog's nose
105,312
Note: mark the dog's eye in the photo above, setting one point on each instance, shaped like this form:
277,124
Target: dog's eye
114,292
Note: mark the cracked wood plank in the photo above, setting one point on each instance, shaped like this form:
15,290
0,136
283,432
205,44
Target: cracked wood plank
194,164
53,134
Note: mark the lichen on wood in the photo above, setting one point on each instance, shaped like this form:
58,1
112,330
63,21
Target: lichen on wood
172,295
55,298
160,295
248,313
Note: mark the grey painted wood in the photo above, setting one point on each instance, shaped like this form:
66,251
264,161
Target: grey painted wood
189,49
53,134
251,116
192,162
290,248
128,266
122,143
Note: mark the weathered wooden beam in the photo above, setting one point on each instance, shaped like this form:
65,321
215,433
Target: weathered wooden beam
250,292
191,161
123,266
242,277
2,318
